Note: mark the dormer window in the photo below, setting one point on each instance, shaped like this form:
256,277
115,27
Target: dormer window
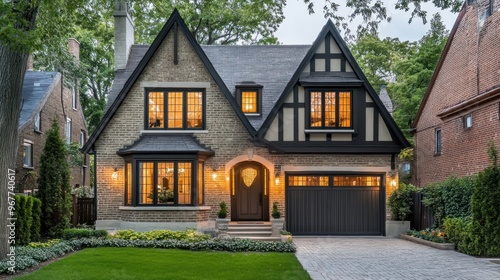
249,97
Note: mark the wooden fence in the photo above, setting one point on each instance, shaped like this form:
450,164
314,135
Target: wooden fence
83,211
421,216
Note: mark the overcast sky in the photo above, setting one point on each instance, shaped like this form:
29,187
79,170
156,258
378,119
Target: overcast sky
301,28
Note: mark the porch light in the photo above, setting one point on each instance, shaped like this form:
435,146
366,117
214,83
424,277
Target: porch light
214,175
393,183
277,179
115,174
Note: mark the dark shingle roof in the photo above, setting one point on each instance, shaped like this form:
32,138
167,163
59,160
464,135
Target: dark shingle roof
37,86
270,66
386,99
166,143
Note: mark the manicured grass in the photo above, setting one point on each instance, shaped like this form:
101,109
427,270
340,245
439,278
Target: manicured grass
140,263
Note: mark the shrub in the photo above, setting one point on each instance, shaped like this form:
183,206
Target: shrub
189,235
449,198
222,214
276,213
485,206
54,185
83,192
434,235
400,201
36,212
460,232
73,233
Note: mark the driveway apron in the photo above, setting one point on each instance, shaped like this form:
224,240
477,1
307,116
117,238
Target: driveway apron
387,258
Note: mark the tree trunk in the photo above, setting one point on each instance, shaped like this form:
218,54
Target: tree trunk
11,82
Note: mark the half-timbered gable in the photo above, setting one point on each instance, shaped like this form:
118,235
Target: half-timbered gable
329,106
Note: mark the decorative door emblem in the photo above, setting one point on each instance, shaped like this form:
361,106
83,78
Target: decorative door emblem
248,175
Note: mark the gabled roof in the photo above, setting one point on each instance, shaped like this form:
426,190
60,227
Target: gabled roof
170,143
175,18
439,65
330,28
270,66
37,87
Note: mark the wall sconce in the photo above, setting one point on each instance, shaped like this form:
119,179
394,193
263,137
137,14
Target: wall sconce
227,178
214,174
393,183
277,179
115,174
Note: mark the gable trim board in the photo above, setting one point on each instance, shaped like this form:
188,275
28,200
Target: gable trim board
175,18
329,28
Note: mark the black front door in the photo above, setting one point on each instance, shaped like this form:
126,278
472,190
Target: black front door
249,197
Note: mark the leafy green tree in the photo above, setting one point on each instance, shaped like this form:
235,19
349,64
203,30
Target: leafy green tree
54,188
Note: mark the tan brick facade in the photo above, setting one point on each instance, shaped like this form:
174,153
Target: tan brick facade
58,106
226,136
470,71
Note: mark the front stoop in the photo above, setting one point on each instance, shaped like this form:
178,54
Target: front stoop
252,230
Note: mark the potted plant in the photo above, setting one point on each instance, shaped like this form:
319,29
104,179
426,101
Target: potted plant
222,222
285,236
276,220
400,202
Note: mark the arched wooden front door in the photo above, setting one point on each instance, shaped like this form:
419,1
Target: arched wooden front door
250,193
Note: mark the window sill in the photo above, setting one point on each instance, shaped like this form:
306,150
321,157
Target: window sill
38,131
74,109
252,114
311,131
165,208
180,131
437,154
28,167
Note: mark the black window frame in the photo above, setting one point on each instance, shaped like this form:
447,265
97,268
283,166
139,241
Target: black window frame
438,141
251,87
184,108
337,104
134,161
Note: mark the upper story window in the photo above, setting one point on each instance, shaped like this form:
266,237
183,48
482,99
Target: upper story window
468,121
437,139
73,97
249,97
27,153
329,109
82,138
38,122
68,131
175,109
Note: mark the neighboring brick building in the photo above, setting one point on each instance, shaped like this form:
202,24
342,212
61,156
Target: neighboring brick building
459,113
189,126
44,98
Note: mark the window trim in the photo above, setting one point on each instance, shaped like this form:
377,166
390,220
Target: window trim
38,119
438,143
307,114
184,91
465,120
28,143
82,138
73,98
68,130
331,175
250,87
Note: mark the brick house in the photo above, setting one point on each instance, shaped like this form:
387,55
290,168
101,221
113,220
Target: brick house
45,98
189,126
459,113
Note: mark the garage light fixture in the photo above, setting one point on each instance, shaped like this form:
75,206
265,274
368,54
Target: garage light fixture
277,179
115,174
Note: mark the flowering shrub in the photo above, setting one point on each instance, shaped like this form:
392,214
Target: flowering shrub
434,235
83,192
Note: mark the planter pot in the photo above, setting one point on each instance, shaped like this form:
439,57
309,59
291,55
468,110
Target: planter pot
222,226
396,228
277,226
286,238
442,246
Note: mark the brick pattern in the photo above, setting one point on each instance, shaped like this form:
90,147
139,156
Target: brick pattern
227,137
164,216
471,68
58,109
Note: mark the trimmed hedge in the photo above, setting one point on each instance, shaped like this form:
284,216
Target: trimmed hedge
74,233
450,198
186,235
27,212
28,256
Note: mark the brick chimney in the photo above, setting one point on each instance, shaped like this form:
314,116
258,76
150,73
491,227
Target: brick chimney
124,34
74,48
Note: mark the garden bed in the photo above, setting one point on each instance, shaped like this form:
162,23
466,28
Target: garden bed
441,246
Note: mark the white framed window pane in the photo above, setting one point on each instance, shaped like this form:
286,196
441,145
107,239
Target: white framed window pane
27,154
73,97
68,130
37,122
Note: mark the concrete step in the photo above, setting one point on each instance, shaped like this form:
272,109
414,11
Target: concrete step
260,228
249,233
261,238
250,224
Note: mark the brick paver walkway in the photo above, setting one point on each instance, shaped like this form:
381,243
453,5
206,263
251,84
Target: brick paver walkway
387,258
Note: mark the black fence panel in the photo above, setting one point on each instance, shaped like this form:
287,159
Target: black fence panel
83,211
421,216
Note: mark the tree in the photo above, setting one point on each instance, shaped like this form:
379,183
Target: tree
54,188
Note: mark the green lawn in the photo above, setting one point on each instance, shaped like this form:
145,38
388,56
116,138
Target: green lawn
140,263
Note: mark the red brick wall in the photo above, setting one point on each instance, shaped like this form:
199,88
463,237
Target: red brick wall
471,68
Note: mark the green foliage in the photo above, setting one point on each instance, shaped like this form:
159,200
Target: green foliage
401,200
449,198
83,192
75,156
434,235
24,206
461,232
36,212
72,233
486,208
190,235
54,185
222,214
276,213
44,244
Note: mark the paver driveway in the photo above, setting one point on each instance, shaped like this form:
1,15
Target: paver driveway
386,258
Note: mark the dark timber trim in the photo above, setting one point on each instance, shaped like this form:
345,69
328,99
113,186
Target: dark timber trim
176,44
174,18
296,113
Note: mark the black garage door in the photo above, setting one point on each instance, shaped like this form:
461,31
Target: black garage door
330,204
